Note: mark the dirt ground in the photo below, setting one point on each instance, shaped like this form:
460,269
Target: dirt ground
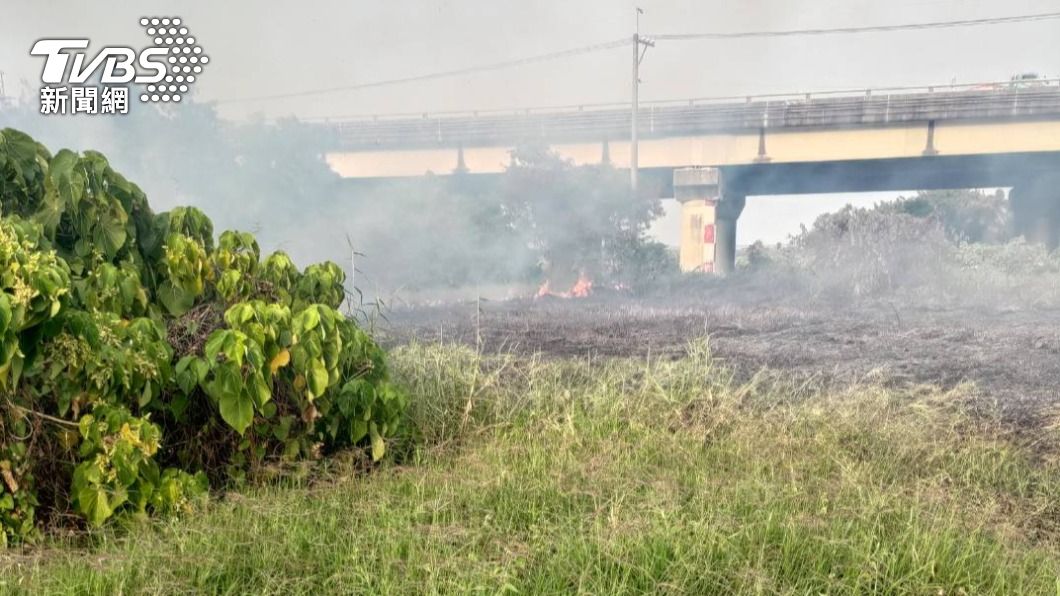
1012,355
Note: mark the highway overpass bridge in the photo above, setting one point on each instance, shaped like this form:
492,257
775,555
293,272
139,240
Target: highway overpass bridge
711,154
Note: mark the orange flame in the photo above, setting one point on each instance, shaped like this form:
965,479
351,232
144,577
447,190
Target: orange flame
581,288
544,290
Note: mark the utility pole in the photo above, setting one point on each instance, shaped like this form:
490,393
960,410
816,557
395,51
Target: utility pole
640,46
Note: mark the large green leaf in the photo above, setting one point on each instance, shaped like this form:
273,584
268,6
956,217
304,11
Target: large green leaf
237,410
186,378
229,381
318,377
358,430
176,300
93,503
309,318
5,313
378,445
259,390
110,231
215,343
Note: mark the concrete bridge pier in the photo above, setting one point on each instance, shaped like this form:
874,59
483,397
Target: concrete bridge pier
728,210
708,220
697,191
1035,206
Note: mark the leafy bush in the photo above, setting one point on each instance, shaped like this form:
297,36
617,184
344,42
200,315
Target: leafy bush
965,215
932,247
138,361
865,251
640,265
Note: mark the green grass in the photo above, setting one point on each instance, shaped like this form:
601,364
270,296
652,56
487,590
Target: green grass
614,476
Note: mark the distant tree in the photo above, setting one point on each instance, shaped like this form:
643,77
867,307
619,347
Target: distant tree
967,215
435,231
861,251
575,218
1035,208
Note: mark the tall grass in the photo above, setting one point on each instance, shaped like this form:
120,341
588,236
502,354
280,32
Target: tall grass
618,476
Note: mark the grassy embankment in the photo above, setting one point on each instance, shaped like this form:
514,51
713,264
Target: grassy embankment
617,476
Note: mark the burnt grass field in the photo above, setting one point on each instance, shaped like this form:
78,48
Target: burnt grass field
1011,354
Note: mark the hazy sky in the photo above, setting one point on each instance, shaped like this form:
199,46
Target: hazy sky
261,48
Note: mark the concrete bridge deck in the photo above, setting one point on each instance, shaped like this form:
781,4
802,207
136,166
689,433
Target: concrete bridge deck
717,132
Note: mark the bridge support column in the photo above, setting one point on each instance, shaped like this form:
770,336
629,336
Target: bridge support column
728,210
697,191
1035,206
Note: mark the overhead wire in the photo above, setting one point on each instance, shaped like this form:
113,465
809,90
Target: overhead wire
866,29
444,74
572,52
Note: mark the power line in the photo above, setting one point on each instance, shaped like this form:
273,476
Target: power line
627,41
869,29
444,74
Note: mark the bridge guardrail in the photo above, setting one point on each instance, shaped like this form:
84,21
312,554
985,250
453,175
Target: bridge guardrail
697,116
